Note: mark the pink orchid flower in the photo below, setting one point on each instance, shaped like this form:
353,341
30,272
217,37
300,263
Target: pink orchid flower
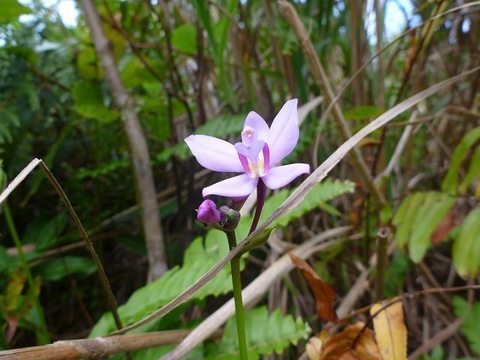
257,156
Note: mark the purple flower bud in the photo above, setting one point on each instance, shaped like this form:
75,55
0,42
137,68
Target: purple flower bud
208,212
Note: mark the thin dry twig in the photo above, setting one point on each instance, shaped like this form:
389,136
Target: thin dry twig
437,339
97,347
399,148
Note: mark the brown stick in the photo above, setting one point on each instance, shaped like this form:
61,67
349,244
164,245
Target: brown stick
355,12
97,347
141,159
380,74
288,11
439,338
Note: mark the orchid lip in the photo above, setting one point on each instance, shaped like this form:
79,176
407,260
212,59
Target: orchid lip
255,159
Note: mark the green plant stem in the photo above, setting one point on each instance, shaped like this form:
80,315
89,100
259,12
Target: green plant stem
43,337
382,262
237,296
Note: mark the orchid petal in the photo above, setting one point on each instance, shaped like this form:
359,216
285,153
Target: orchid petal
258,125
237,186
214,154
284,132
282,175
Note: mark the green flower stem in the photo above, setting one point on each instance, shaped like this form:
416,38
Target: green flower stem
43,336
237,296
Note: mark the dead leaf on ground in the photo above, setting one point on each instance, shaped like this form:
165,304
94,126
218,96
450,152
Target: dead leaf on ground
323,292
355,342
390,330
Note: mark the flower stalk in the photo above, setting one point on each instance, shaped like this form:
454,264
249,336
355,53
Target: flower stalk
261,193
237,296
257,158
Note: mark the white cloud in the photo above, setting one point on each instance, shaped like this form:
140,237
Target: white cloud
67,10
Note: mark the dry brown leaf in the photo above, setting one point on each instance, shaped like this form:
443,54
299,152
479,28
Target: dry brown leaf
390,331
355,342
324,293
349,355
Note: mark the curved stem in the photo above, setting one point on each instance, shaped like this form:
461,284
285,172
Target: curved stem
237,296
112,302
261,192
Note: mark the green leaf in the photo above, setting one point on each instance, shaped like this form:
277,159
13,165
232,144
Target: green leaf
198,259
158,126
322,192
87,64
266,333
48,159
431,213
57,269
363,112
317,198
8,263
101,170
471,321
404,217
11,10
135,73
472,173
466,248
416,219
396,273
89,102
220,127
184,39
9,120
203,14
3,177
45,232
13,294
450,182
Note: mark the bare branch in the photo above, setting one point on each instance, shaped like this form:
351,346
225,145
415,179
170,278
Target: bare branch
97,347
141,159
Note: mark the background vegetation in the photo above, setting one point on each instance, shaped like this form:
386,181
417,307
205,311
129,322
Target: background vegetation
199,67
